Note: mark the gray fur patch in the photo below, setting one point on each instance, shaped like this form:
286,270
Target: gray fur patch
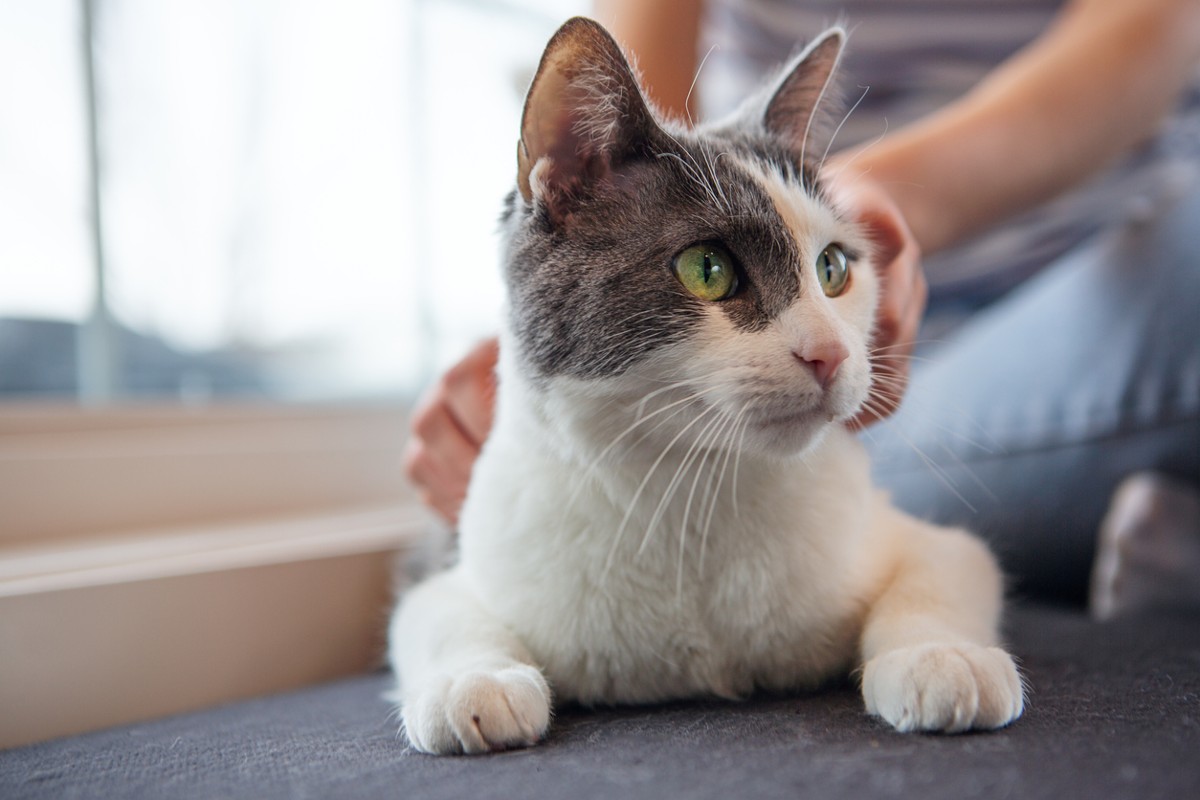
593,292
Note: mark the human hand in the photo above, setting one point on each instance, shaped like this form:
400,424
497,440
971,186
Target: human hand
902,296
449,426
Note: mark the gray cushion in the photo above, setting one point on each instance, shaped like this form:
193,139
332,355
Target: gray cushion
1114,712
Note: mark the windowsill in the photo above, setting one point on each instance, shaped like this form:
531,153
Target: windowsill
173,552
68,474
158,561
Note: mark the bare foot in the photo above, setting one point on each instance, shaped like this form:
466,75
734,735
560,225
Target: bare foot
1148,551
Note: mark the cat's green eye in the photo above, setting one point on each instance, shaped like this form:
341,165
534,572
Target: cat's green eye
833,270
707,271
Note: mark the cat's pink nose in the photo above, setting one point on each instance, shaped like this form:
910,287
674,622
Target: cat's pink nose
823,358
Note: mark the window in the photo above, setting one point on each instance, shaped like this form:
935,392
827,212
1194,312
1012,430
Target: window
296,205
296,200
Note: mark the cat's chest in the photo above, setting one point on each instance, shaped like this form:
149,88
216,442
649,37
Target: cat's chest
639,615
639,636
622,596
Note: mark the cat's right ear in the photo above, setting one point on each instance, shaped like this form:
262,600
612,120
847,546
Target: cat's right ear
583,115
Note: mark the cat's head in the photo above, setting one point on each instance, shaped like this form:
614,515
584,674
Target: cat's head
701,276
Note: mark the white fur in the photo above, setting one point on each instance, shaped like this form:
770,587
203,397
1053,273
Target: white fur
659,535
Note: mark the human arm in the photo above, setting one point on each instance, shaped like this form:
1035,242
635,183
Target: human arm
663,36
1097,82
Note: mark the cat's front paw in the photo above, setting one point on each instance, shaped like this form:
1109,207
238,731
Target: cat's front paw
948,688
477,712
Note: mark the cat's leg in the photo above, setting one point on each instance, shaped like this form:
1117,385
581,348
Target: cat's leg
931,662
466,683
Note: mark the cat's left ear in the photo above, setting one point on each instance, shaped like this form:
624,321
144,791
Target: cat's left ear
795,103
583,115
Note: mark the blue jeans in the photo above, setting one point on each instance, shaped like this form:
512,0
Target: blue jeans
1022,424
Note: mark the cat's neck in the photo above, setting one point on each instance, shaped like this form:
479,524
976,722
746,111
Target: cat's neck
579,447
628,427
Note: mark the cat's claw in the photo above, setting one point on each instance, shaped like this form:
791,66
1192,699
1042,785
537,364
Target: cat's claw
478,712
947,688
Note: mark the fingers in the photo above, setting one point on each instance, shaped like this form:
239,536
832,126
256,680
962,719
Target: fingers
469,388
899,319
903,295
902,304
449,427
438,460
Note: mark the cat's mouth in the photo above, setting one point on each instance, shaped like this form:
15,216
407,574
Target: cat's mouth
791,418
799,415
787,430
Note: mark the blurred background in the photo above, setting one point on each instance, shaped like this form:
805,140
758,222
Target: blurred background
291,200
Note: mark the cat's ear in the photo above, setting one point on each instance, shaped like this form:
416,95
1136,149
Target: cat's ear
584,113
798,101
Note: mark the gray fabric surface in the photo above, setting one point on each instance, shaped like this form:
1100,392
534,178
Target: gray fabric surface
1114,713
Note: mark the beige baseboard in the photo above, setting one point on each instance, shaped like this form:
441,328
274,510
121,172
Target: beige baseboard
161,625
159,560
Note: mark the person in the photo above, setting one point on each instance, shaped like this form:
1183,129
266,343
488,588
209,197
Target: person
1039,181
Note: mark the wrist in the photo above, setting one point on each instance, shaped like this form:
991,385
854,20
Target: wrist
895,168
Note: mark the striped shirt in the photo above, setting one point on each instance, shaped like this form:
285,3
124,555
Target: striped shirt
906,58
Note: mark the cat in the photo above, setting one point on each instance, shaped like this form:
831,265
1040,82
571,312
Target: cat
669,504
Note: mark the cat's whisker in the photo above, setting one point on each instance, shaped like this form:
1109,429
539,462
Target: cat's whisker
887,387
692,453
808,127
988,449
663,390
892,390
737,460
695,171
697,178
885,366
838,129
695,78
627,321
873,405
862,151
711,379
867,431
637,494
897,357
881,404
975,479
887,382
620,355
709,450
715,491
881,364
689,166
711,163
941,409
893,385
643,418
898,345
676,407
936,469
695,165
